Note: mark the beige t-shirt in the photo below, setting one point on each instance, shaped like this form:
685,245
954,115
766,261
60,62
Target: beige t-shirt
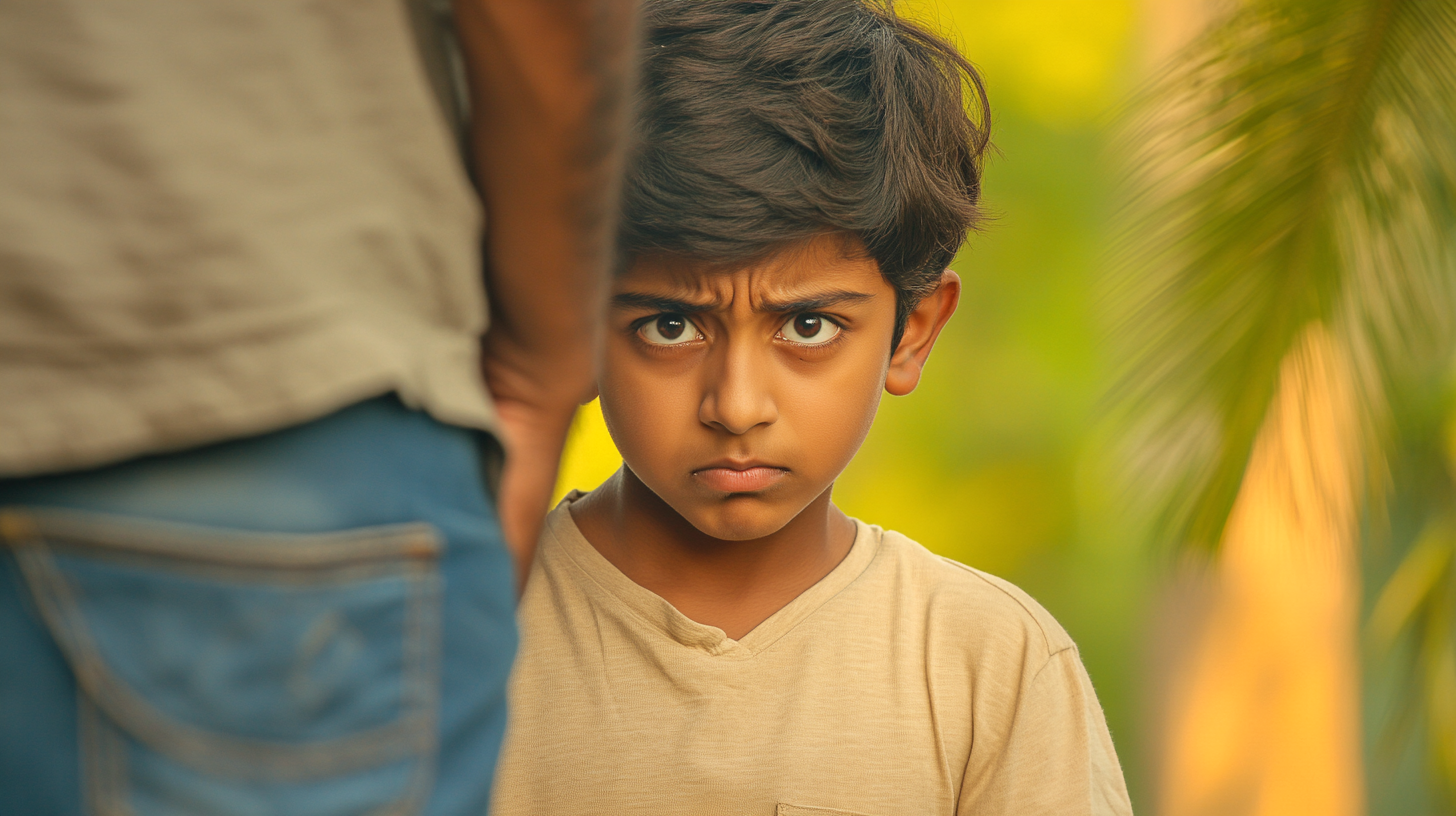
221,218
901,683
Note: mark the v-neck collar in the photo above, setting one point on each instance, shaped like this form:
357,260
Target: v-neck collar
612,586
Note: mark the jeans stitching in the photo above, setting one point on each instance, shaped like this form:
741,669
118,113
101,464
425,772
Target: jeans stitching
312,578
413,734
223,754
193,543
104,763
108,786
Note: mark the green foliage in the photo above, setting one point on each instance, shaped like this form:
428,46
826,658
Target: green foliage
1419,602
1297,165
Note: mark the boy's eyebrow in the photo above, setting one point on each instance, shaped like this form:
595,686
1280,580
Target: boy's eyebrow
813,303
658,303
661,303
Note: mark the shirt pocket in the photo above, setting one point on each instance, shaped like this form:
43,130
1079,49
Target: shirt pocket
228,672
799,810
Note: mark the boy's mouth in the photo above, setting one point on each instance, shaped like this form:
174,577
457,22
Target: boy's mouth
733,477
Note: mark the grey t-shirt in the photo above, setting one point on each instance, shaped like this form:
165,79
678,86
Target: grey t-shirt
223,218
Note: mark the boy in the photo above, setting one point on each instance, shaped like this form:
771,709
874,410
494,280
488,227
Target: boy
706,633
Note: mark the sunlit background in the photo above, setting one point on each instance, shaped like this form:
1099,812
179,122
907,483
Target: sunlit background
1239,693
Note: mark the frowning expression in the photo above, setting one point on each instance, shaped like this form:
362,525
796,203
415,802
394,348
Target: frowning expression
738,395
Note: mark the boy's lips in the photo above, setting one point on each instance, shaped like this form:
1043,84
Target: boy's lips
729,477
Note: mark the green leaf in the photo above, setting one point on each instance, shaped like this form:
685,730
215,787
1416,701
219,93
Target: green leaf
1297,165
1410,590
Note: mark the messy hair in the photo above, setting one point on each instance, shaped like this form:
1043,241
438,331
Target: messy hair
763,123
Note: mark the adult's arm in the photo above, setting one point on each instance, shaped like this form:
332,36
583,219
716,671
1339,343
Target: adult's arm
549,86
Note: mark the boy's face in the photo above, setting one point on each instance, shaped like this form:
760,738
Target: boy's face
738,396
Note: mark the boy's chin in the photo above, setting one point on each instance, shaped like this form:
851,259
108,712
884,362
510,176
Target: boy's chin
739,519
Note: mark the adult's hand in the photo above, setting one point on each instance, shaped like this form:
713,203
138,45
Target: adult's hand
534,424
550,83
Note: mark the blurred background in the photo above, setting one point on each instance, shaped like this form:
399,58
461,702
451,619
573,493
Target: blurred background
1196,400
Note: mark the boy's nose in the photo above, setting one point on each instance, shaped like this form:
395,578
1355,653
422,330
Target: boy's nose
736,393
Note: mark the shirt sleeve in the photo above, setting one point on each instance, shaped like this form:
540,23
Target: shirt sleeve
1056,757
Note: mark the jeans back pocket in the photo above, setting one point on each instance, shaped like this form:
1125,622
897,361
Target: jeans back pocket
226,672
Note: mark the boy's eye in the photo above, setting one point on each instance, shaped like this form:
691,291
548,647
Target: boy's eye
669,330
809,330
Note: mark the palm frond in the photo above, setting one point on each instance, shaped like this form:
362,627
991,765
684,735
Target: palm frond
1296,165
1419,603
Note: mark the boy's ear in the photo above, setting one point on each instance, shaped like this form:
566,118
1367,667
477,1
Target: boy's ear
924,325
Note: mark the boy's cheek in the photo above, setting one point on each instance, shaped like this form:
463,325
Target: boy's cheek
647,425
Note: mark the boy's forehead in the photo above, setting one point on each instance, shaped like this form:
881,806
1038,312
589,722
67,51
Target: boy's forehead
807,270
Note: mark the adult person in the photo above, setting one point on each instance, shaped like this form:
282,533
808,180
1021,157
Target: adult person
250,562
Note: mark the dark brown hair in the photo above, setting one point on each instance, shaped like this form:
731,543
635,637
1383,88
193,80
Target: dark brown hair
762,123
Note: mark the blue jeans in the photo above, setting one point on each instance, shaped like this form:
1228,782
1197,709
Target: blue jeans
317,621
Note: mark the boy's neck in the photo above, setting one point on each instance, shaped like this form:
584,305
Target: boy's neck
733,585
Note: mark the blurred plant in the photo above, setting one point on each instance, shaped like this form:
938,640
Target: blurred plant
1294,170
1419,601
